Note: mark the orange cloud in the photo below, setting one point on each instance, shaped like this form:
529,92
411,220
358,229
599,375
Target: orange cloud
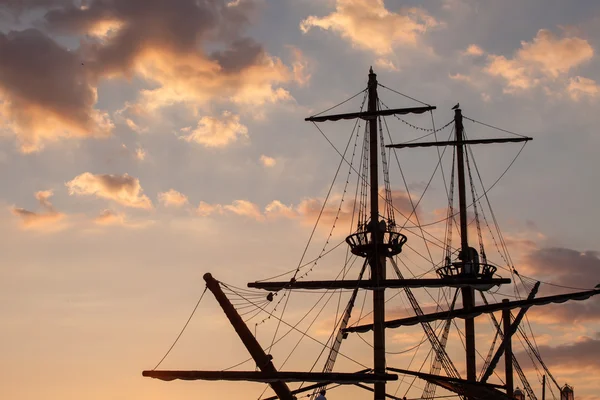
367,24
108,217
123,189
46,220
580,87
473,50
546,57
300,67
267,161
386,64
172,198
243,208
217,132
163,44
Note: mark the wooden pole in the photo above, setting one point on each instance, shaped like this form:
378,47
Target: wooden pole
544,387
263,361
508,365
468,297
376,261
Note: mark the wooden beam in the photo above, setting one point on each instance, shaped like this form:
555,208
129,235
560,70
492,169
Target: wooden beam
478,310
370,114
456,143
369,284
269,377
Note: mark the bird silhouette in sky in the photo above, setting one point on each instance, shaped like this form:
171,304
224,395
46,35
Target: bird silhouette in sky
456,106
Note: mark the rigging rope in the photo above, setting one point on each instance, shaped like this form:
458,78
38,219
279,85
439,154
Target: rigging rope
183,329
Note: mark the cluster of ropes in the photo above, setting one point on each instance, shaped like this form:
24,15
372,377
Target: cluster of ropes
258,309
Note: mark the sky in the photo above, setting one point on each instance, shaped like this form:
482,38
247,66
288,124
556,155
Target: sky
145,143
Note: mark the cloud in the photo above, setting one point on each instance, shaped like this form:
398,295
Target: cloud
123,189
267,161
570,269
172,198
45,92
245,208
580,88
217,132
300,66
546,57
577,356
386,64
277,209
108,217
206,209
367,24
473,50
164,43
140,154
567,266
47,220
242,208
305,212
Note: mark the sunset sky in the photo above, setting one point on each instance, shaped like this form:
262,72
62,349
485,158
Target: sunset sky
146,142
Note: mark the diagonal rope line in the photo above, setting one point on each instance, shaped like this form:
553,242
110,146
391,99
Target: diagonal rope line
182,330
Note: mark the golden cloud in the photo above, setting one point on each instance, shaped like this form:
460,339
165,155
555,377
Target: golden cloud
546,57
163,44
367,24
46,220
243,208
108,217
123,189
172,198
267,161
217,132
473,50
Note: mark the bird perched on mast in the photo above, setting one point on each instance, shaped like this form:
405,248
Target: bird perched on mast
456,106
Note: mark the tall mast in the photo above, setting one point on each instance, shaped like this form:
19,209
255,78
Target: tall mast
376,260
468,297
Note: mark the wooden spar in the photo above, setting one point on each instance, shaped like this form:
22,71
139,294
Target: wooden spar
370,114
315,386
456,143
389,396
387,283
506,346
424,375
273,378
263,361
478,310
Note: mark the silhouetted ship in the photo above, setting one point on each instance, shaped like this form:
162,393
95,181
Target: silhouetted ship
377,240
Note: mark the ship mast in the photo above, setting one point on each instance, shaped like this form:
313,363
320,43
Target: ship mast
376,260
375,241
468,292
